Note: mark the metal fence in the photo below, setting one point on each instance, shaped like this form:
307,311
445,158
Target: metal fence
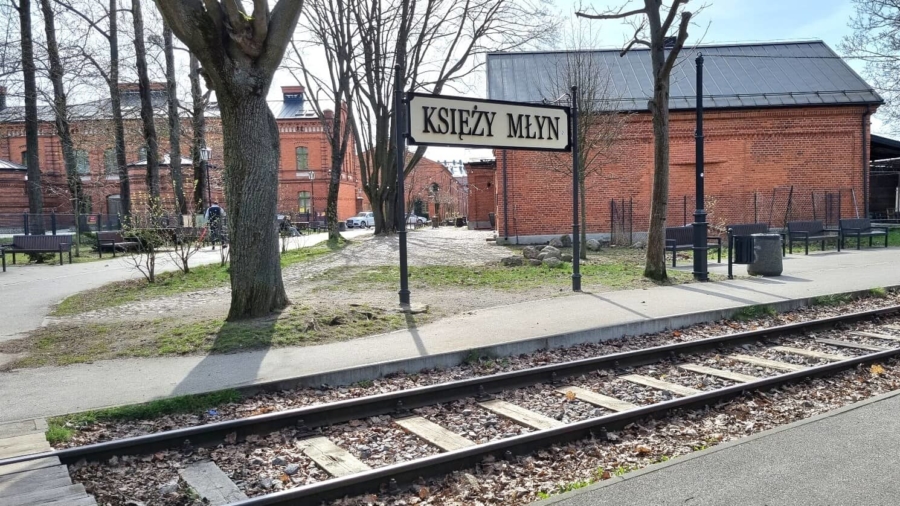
61,224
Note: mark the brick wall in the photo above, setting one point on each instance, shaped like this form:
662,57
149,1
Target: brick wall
747,152
482,193
419,185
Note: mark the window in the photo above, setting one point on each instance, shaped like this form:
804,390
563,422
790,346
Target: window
142,154
81,162
25,158
109,162
302,159
303,202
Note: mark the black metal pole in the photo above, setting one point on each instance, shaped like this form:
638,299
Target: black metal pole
208,184
700,233
401,164
576,254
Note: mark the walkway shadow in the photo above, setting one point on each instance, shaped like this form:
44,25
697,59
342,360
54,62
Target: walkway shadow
414,332
235,357
693,288
620,306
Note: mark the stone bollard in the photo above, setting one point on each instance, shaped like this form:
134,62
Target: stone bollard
766,256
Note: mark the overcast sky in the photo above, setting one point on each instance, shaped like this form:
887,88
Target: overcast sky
726,21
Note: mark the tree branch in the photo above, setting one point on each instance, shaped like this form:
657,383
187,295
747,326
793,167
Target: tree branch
612,15
679,43
670,18
282,22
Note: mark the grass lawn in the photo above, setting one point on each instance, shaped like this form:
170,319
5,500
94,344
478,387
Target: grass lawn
171,283
612,268
63,344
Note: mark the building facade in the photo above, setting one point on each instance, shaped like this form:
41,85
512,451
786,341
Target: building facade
786,138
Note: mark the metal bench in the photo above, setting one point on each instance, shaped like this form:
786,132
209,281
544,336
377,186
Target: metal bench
682,238
115,241
810,231
859,228
39,244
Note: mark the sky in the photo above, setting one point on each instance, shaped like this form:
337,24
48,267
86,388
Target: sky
722,21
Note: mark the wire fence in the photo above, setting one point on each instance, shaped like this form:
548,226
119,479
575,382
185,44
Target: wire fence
62,224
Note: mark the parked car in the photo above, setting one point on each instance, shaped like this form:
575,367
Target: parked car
364,219
416,220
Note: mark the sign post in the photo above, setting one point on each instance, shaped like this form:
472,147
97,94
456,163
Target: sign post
401,165
701,272
436,120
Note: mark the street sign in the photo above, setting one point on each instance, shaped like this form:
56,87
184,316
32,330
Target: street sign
435,120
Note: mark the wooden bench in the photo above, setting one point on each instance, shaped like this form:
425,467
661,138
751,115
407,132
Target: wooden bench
682,238
116,241
859,228
810,231
39,244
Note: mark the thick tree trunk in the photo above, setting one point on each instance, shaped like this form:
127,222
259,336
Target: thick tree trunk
116,104
331,215
35,194
655,267
146,104
73,179
251,187
198,122
174,123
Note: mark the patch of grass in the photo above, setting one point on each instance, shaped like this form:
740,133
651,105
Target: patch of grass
622,470
833,300
62,428
753,312
878,292
566,487
64,344
201,277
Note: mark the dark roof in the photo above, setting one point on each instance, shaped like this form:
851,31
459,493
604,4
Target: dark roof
102,109
8,165
747,75
883,148
289,109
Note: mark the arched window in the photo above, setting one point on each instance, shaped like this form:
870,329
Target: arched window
109,162
81,162
302,158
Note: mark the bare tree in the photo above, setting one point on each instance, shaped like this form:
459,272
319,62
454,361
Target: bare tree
35,194
240,52
198,134
61,110
599,121
332,30
876,41
150,138
174,122
437,44
652,27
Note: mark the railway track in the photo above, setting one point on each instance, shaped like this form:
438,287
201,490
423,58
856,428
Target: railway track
610,392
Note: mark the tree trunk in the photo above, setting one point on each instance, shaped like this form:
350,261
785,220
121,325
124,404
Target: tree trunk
334,184
62,116
174,123
140,54
116,104
251,185
198,122
35,195
656,255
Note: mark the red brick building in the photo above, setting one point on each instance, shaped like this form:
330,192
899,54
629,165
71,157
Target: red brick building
480,179
433,191
786,137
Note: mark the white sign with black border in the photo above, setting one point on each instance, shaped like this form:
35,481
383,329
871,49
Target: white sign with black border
436,120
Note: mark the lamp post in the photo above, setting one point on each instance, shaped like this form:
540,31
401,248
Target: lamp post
312,194
700,233
205,153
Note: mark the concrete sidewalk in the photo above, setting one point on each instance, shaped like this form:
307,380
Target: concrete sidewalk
513,329
28,292
846,457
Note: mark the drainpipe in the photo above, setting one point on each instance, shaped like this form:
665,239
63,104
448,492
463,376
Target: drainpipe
865,163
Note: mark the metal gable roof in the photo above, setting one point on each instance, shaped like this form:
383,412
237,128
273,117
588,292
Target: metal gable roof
748,75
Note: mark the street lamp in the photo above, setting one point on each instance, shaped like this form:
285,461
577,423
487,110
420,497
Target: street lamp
205,153
312,195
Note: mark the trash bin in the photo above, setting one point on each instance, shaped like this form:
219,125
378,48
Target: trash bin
766,255
743,249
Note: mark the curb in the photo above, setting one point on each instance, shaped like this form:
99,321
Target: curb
563,340
652,468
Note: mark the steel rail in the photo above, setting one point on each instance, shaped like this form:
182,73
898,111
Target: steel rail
444,463
311,417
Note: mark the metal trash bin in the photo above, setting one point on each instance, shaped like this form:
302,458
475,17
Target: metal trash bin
766,255
743,249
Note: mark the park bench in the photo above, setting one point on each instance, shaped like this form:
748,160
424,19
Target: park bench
682,238
115,241
39,244
810,231
859,228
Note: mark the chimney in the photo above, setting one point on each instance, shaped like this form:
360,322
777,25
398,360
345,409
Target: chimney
2,97
293,95
669,42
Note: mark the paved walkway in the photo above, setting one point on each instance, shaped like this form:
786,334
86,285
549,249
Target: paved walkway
27,293
31,393
847,457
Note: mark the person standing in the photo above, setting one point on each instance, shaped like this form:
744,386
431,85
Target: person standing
215,217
